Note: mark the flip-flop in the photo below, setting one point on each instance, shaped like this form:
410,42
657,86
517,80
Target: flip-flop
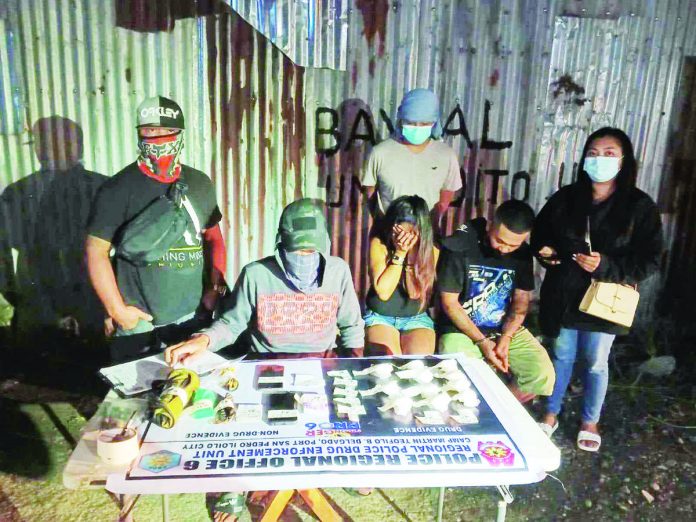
587,436
547,429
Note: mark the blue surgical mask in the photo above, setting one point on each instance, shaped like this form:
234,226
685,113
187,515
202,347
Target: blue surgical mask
416,134
602,168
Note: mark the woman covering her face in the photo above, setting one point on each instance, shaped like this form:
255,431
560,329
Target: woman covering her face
603,228
402,271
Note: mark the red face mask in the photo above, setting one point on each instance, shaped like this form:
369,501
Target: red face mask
159,156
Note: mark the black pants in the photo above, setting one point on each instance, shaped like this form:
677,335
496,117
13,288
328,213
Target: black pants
128,347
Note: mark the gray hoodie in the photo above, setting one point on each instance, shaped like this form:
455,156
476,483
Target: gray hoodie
280,318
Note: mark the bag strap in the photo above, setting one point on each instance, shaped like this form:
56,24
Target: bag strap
192,213
634,286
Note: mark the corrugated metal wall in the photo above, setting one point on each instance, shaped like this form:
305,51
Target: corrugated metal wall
522,83
312,33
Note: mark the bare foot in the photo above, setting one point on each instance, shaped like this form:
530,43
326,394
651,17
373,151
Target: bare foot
550,419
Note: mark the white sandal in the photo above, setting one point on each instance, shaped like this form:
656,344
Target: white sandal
547,429
588,436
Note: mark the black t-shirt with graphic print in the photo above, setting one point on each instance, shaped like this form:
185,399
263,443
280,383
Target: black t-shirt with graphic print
171,287
484,279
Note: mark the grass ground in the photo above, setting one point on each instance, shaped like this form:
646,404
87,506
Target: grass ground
645,470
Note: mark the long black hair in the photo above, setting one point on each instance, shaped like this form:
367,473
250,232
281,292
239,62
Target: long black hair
411,209
620,214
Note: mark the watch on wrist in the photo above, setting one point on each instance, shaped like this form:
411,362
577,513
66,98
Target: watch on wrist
397,259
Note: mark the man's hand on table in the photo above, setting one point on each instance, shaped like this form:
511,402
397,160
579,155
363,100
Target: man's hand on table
184,352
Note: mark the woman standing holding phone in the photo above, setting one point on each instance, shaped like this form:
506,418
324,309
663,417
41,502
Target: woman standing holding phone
603,228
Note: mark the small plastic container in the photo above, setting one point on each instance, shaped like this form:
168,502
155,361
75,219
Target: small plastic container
116,448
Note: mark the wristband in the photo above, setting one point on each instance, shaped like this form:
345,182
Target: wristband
506,335
478,343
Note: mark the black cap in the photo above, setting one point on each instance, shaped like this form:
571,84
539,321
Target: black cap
158,111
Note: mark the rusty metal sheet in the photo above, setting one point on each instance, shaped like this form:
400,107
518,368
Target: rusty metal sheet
269,126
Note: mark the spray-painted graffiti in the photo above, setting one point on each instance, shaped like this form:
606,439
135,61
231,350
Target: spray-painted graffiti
341,130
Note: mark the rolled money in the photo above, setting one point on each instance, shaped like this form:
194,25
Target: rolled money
232,384
226,410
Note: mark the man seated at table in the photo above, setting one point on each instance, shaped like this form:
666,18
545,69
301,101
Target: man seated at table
291,304
485,276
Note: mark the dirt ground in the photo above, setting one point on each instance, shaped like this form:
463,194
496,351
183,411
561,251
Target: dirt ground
645,470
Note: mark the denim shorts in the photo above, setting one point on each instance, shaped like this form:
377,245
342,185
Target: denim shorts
402,324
